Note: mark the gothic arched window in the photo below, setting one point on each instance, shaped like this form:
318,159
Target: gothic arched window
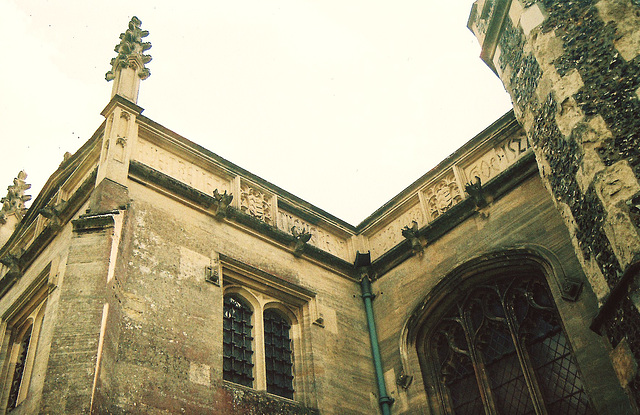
502,350
237,341
278,354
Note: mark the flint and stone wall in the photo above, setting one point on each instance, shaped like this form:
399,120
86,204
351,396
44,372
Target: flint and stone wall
573,71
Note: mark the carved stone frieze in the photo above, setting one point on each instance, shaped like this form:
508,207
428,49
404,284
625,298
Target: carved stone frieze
442,195
256,202
320,238
391,234
171,165
497,159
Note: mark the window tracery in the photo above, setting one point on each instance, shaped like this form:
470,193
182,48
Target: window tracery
503,351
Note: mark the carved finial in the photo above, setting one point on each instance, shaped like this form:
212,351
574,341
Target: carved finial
223,200
131,47
13,202
302,237
130,61
413,235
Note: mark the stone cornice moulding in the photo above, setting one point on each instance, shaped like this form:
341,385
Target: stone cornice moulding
182,193
490,133
205,158
118,100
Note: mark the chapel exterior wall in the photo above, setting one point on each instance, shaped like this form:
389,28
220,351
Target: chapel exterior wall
167,352
523,218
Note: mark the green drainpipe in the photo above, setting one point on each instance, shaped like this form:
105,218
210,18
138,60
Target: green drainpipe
367,297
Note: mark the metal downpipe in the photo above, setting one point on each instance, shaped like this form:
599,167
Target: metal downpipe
367,297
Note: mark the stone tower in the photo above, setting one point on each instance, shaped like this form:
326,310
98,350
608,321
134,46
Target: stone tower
573,72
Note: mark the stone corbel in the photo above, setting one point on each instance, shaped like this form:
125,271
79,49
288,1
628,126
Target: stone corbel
222,203
413,235
301,237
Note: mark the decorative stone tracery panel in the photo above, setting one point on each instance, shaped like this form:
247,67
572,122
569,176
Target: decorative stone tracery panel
256,202
171,165
320,238
442,195
391,234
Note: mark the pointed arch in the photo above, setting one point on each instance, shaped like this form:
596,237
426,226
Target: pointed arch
476,331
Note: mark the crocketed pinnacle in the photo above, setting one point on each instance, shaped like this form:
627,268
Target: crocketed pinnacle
131,49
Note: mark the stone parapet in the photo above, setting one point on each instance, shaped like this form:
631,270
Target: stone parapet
485,157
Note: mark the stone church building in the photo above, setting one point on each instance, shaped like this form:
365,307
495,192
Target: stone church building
152,276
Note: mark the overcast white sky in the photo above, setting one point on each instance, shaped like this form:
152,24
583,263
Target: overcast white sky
343,103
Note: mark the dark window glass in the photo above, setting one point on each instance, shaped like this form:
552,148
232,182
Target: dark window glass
237,338
456,369
504,349
18,372
277,349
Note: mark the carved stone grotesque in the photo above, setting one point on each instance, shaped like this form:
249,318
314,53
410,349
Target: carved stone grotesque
131,48
302,237
13,202
413,235
52,213
476,192
221,206
13,263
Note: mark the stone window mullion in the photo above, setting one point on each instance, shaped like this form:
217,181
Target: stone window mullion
260,373
525,362
484,383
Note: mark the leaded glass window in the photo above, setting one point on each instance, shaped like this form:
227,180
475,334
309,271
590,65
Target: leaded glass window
237,341
18,371
503,351
277,349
